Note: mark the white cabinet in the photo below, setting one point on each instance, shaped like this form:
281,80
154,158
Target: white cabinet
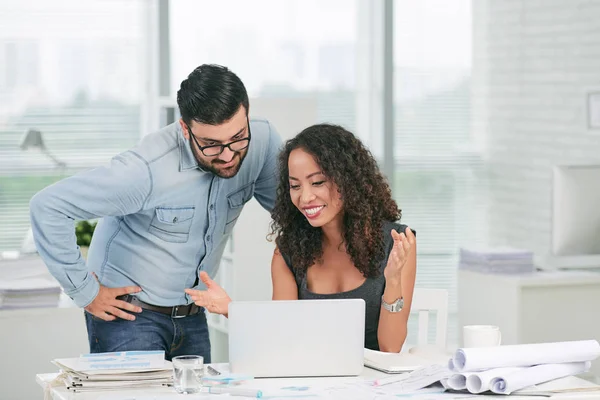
533,308
30,339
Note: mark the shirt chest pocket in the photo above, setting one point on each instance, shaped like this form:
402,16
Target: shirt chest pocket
172,224
235,204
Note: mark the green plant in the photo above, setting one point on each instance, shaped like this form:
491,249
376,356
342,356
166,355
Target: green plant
84,231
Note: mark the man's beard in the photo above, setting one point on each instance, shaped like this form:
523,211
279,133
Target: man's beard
225,173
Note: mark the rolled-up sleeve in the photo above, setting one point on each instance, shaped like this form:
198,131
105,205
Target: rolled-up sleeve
120,188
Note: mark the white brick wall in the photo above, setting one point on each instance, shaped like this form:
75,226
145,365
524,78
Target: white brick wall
533,62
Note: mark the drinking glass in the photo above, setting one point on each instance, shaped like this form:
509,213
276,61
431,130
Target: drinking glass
187,373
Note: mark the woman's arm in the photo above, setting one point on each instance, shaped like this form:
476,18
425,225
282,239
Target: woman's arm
400,283
284,283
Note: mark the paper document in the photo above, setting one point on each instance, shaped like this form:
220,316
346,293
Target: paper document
496,260
111,363
494,253
40,291
123,376
98,386
415,358
114,371
393,363
511,381
417,379
32,286
523,355
568,384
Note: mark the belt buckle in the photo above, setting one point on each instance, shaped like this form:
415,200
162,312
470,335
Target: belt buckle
174,313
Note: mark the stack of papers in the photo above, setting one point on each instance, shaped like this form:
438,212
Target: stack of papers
497,260
120,370
415,358
29,292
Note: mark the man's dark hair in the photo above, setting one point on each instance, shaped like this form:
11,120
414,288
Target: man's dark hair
211,94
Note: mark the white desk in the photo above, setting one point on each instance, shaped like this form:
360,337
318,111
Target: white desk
533,308
61,393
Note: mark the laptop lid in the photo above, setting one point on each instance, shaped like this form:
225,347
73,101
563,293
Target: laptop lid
288,338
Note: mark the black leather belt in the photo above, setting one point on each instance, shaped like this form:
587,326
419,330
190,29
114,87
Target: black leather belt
175,311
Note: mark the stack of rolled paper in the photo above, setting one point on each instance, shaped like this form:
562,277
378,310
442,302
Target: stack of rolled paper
505,369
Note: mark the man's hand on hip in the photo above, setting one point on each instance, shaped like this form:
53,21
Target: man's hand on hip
106,306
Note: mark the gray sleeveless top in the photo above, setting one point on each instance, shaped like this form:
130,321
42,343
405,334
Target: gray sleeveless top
370,291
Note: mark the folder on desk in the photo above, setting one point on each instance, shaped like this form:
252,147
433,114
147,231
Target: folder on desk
92,385
121,376
109,371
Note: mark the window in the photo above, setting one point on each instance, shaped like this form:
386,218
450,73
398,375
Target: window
436,180
73,71
324,50
280,50
293,48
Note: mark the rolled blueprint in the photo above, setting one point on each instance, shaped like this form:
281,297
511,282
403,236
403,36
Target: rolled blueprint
458,381
524,355
508,383
451,366
479,382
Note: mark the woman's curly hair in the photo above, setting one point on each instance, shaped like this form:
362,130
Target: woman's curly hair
366,195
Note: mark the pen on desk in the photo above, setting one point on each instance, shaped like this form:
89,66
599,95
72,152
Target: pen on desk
234,391
212,371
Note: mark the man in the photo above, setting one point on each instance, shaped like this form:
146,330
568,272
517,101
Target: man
168,207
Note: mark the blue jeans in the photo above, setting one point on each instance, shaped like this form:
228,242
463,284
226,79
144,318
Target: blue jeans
151,331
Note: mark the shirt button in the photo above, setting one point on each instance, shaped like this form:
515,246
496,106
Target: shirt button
208,238
212,206
174,219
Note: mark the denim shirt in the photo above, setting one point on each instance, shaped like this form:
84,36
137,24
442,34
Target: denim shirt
163,218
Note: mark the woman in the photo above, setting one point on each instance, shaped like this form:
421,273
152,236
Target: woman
335,235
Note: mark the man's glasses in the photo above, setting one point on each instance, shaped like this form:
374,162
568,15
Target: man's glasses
216,149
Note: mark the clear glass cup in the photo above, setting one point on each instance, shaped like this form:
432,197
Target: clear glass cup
187,373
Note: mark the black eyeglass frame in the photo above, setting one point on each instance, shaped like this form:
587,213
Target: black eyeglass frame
222,146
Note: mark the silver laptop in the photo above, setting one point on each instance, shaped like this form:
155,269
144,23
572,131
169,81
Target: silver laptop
288,338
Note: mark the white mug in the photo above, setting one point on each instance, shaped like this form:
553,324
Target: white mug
481,336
